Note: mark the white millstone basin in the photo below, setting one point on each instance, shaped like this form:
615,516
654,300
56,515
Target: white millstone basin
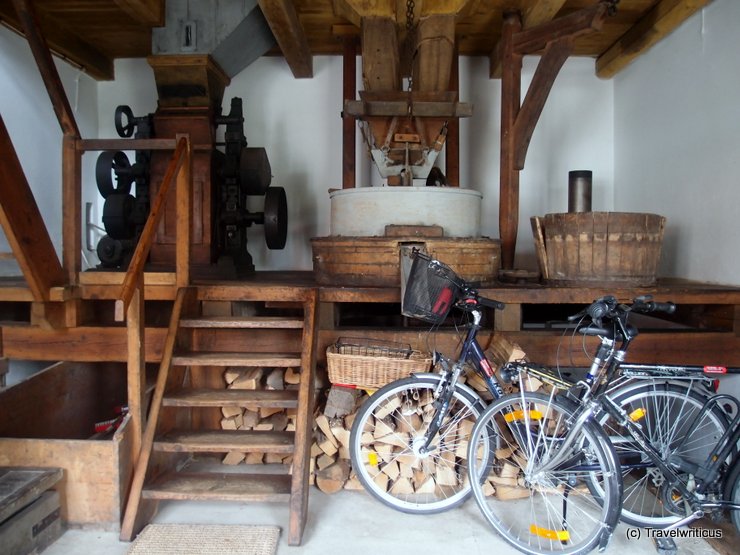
365,211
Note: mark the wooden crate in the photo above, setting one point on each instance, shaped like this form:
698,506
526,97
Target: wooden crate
48,420
374,261
599,247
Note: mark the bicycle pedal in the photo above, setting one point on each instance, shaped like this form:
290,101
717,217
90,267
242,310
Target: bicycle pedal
665,546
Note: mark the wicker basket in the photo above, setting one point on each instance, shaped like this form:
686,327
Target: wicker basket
372,366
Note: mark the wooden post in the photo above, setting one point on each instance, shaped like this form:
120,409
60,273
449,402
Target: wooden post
510,103
184,215
452,144
48,70
349,80
72,209
136,369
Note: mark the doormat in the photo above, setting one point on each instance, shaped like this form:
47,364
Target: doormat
198,539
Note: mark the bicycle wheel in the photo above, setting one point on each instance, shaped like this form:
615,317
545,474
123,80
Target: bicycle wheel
666,412
732,492
535,508
386,440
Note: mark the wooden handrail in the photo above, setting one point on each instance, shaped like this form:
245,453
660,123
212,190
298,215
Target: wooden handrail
136,266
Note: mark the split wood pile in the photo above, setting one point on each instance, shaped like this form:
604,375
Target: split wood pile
330,466
259,418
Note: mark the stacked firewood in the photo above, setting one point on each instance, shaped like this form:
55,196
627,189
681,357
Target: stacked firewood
259,418
330,466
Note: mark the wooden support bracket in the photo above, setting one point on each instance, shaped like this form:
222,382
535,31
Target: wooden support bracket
518,121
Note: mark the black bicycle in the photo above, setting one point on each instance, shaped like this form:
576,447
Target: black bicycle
675,446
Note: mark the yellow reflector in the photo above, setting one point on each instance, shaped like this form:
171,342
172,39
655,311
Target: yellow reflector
519,415
636,414
561,535
372,458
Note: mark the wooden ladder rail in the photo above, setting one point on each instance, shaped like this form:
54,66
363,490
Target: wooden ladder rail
133,514
130,304
304,422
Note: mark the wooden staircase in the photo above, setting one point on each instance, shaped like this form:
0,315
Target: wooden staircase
176,431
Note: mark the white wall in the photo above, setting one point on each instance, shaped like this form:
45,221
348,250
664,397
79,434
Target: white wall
574,133
677,143
32,124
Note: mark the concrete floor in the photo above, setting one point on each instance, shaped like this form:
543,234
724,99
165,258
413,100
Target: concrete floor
352,523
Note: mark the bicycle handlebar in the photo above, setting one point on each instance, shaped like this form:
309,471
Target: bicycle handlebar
608,307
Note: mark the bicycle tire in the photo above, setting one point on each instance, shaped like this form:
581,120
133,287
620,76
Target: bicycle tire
439,481
521,502
732,492
643,503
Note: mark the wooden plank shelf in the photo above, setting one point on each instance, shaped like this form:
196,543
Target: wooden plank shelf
236,359
220,487
221,441
231,397
254,322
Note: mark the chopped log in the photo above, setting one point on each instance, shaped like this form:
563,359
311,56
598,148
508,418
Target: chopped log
349,420
233,457
508,470
292,376
249,379
273,458
324,460
391,470
402,486
263,426
328,447
250,419
278,421
488,489
383,427
275,379
323,423
391,405
381,480
332,478
399,440
384,451
266,412
506,493
341,401
228,412
232,423
427,486
409,424
253,458
353,484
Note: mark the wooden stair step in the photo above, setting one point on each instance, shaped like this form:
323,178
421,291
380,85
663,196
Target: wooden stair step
281,360
222,441
220,487
251,322
232,397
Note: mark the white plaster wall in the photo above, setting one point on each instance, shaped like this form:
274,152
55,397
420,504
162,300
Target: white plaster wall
32,124
677,143
574,132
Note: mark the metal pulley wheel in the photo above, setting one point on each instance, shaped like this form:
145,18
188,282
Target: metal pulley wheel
125,128
118,216
112,162
275,218
255,173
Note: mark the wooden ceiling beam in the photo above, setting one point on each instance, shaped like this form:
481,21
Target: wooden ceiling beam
146,12
282,18
541,11
63,42
656,24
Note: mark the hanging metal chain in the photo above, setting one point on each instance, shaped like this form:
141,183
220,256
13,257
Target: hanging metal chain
410,5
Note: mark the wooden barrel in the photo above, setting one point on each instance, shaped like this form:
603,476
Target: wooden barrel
375,261
599,247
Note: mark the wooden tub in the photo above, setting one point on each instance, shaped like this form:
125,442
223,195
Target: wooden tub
599,247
